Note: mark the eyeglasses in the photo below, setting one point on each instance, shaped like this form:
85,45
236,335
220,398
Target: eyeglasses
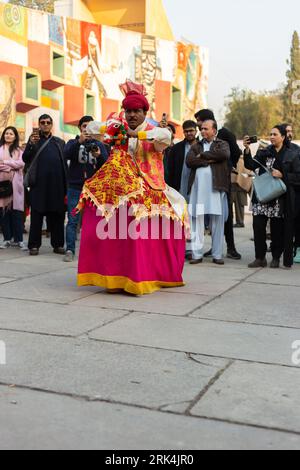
46,123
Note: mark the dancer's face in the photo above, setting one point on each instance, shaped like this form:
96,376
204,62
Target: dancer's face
135,117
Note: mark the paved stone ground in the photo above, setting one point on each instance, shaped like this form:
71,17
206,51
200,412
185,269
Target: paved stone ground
207,366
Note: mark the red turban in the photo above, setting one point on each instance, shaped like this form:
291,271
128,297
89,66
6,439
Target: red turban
135,100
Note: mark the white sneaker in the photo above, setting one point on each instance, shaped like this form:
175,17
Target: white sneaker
22,246
69,257
5,244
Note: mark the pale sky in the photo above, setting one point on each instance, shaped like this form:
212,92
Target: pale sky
249,41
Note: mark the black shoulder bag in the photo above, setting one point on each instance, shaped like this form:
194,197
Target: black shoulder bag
6,189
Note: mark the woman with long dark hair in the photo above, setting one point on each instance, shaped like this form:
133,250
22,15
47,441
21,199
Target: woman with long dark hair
11,181
284,162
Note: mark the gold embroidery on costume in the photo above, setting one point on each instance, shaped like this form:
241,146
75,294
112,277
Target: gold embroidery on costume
120,182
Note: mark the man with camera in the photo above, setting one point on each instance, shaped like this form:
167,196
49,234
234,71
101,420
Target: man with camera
86,156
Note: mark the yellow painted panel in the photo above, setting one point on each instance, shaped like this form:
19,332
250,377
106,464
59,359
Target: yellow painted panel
157,23
46,102
14,23
145,16
127,14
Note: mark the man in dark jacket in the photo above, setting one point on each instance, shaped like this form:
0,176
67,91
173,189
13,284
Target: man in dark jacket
48,185
290,135
229,137
86,156
178,172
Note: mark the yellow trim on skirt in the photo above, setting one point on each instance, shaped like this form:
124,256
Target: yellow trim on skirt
120,282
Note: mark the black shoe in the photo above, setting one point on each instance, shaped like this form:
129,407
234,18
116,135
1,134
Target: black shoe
59,251
239,226
208,254
220,262
233,254
196,261
275,263
258,263
34,252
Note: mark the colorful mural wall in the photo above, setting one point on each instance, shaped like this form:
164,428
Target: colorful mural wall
7,101
69,68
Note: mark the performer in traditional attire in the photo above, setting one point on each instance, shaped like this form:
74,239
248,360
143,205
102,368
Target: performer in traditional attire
133,234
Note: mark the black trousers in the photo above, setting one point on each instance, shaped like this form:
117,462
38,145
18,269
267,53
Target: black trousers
56,226
297,221
229,233
12,226
260,236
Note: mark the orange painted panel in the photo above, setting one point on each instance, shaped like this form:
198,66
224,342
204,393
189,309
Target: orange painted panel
108,107
39,58
163,98
73,104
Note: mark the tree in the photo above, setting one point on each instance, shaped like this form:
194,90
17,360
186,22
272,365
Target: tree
291,95
45,5
250,113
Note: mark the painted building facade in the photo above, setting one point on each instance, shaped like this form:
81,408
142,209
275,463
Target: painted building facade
67,68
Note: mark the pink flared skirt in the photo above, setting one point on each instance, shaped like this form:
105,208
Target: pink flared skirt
137,257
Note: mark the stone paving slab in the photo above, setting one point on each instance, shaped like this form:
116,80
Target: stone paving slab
159,302
126,374
56,287
209,281
202,287
278,277
204,272
47,318
19,269
11,254
255,394
256,303
212,338
49,259
58,422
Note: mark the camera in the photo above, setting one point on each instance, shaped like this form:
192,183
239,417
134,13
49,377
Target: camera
253,139
86,152
91,147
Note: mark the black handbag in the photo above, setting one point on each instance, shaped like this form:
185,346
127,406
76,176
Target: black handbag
6,189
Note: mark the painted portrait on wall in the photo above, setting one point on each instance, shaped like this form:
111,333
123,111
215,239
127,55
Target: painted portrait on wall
7,101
